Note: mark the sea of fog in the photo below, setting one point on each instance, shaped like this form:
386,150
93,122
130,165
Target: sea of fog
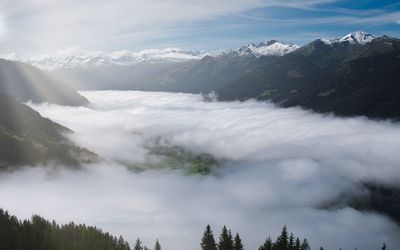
277,167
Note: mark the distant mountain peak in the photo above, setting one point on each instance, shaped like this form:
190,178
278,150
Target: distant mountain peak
268,48
357,37
76,57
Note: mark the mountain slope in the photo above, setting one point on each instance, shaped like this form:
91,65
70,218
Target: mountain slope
195,76
25,82
160,70
344,78
26,138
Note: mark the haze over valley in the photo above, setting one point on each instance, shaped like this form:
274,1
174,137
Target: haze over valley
264,153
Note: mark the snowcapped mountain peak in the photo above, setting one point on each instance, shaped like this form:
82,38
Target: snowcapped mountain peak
76,57
269,48
357,37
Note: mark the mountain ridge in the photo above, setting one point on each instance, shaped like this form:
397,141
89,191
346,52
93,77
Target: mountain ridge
76,57
311,76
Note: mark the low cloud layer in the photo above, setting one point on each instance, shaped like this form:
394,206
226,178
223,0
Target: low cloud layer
277,167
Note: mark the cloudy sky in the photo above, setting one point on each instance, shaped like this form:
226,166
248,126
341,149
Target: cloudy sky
45,26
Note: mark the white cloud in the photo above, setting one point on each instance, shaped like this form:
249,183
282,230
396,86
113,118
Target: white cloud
48,25
279,165
373,18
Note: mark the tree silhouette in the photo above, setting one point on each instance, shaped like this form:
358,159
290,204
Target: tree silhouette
138,245
268,245
305,245
157,246
291,243
297,244
283,240
237,243
208,241
225,240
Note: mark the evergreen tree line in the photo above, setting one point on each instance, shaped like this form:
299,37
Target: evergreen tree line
284,241
40,234
139,245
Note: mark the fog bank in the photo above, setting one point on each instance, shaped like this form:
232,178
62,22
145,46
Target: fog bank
277,166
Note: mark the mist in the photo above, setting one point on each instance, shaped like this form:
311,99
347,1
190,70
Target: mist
277,167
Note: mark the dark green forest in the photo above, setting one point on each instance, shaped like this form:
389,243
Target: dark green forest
38,233
285,241
227,241
41,234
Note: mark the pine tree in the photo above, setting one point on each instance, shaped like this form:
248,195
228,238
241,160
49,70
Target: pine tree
157,245
283,240
138,245
230,239
122,244
297,244
384,246
321,248
268,245
237,244
305,245
291,242
208,241
225,240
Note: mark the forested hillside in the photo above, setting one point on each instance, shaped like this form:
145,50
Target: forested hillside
26,138
39,233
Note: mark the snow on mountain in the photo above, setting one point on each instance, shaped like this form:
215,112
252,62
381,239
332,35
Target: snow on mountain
358,37
270,48
75,57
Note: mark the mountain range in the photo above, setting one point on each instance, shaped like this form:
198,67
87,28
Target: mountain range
356,74
76,57
345,78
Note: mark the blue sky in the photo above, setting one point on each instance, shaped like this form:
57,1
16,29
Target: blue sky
294,24
47,26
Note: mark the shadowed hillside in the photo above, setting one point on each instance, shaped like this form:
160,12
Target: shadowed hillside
26,138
